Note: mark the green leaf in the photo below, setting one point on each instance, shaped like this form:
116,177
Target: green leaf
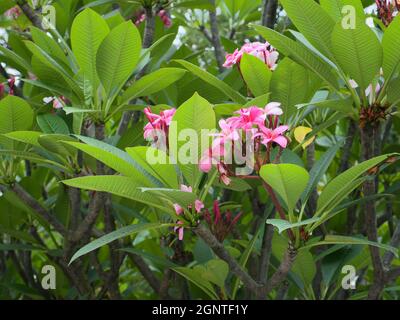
358,52
288,86
313,22
184,199
215,271
334,8
87,33
152,83
288,180
15,114
319,169
112,161
391,49
300,54
283,225
115,235
195,114
15,58
117,57
333,239
49,45
52,64
344,106
125,187
214,81
35,159
256,74
160,168
51,123
104,147
194,276
304,266
334,188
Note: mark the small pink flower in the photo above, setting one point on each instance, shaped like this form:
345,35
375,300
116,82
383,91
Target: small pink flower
198,205
262,51
180,230
13,13
268,136
165,18
273,108
248,118
158,124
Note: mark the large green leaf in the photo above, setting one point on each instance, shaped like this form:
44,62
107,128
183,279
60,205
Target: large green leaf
283,225
337,185
288,180
319,169
335,8
113,161
192,117
289,86
256,74
300,54
391,49
51,123
333,239
214,81
102,146
15,114
115,235
160,168
304,266
117,57
49,45
358,52
87,33
152,83
313,22
118,185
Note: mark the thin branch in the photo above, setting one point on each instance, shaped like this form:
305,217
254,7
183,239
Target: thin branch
216,40
222,253
37,207
270,8
30,13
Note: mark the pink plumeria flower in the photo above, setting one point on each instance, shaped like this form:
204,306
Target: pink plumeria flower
273,108
268,136
248,118
158,124
262,51
180,230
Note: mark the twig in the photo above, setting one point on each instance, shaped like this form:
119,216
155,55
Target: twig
30,13
37,207
216,40
270,8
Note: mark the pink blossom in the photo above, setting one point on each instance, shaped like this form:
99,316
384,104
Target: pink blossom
180,230
13,13
248,118
165,18
198,205
157,123
140,19
267,136
263,51
273,108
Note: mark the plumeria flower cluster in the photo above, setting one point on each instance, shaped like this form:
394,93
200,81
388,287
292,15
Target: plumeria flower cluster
198,206
220,224
387,10
263,51
157,129
260,124
163,14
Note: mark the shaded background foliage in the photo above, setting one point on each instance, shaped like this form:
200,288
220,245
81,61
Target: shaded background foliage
102,87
